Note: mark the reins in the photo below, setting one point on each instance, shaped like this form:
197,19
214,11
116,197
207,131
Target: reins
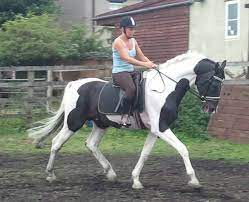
203,98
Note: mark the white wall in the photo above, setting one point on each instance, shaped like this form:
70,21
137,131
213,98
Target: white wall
80,11
73,11
207,31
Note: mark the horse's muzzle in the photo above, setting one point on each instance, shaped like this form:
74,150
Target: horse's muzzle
209,107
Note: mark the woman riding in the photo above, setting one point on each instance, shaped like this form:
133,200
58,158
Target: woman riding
127,53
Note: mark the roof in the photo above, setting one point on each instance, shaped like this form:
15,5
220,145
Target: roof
143,7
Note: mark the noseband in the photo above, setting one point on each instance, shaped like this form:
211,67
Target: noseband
204,97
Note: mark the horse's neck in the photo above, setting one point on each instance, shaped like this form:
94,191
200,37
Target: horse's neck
182,69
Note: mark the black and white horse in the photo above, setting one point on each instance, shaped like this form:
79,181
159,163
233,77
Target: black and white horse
164,89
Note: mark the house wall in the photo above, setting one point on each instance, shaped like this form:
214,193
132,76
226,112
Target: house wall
103,6
207,35
207,31
161,34
80,11
73,11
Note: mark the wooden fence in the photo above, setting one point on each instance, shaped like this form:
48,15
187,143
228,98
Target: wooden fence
22,97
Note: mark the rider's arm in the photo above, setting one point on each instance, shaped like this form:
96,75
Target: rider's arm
122,50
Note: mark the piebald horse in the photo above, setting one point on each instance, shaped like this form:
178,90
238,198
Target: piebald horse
164,90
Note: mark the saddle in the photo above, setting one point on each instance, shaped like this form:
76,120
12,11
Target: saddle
110,98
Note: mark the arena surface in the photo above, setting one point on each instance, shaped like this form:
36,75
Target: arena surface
80,178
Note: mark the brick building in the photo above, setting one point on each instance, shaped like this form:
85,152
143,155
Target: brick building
162,26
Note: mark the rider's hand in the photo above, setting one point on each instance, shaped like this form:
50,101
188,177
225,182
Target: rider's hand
150,65
154,65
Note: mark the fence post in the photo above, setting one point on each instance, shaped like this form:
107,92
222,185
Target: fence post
49,89
29,108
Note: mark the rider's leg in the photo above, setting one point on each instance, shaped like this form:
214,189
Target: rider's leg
125,81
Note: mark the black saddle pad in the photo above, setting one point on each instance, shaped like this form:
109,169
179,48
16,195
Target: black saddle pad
110,98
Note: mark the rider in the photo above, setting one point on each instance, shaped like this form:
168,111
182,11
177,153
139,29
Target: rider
127,53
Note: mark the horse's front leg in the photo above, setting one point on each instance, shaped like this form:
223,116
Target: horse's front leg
148,145
169,137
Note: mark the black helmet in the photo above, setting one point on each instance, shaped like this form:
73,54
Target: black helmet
127,21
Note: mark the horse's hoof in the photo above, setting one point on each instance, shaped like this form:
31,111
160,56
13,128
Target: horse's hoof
194,184
137,185
111,176
39,145
51,177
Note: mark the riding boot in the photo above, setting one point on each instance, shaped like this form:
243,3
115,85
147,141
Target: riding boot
126,106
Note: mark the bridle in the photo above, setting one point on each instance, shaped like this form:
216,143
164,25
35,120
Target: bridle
203,97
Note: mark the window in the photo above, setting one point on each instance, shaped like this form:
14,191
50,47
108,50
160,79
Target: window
232,19
117,1
116,4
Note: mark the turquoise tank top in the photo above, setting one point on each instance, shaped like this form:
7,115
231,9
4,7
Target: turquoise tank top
120,65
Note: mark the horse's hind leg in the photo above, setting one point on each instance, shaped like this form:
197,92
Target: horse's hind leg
169,137
57,143
75,110
92,143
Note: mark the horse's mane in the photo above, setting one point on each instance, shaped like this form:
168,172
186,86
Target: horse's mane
180,58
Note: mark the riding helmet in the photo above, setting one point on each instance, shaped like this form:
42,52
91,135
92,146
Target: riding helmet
127,21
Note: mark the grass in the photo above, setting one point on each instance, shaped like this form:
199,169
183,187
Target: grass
13,140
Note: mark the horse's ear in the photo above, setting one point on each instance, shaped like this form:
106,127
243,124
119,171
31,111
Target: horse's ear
217,67
223,64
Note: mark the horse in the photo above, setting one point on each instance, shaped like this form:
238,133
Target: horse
164,89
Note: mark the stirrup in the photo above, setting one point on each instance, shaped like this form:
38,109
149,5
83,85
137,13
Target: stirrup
126,125
127,122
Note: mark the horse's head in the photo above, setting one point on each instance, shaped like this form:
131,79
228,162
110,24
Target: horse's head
210,76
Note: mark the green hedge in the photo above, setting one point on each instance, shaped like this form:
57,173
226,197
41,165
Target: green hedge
39,40
191,120
10,8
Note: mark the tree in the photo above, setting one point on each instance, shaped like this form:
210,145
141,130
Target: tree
39,40
32,40
10,8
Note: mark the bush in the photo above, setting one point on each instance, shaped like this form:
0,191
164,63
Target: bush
34,40
191,120
39,40
85,45
10,8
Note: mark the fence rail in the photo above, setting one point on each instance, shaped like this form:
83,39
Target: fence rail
23,96
236,64
28,84
56,68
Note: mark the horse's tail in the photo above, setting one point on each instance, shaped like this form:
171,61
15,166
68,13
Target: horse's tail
49,125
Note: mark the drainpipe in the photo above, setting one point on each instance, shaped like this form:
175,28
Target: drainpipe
247,75
184,3
93,15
